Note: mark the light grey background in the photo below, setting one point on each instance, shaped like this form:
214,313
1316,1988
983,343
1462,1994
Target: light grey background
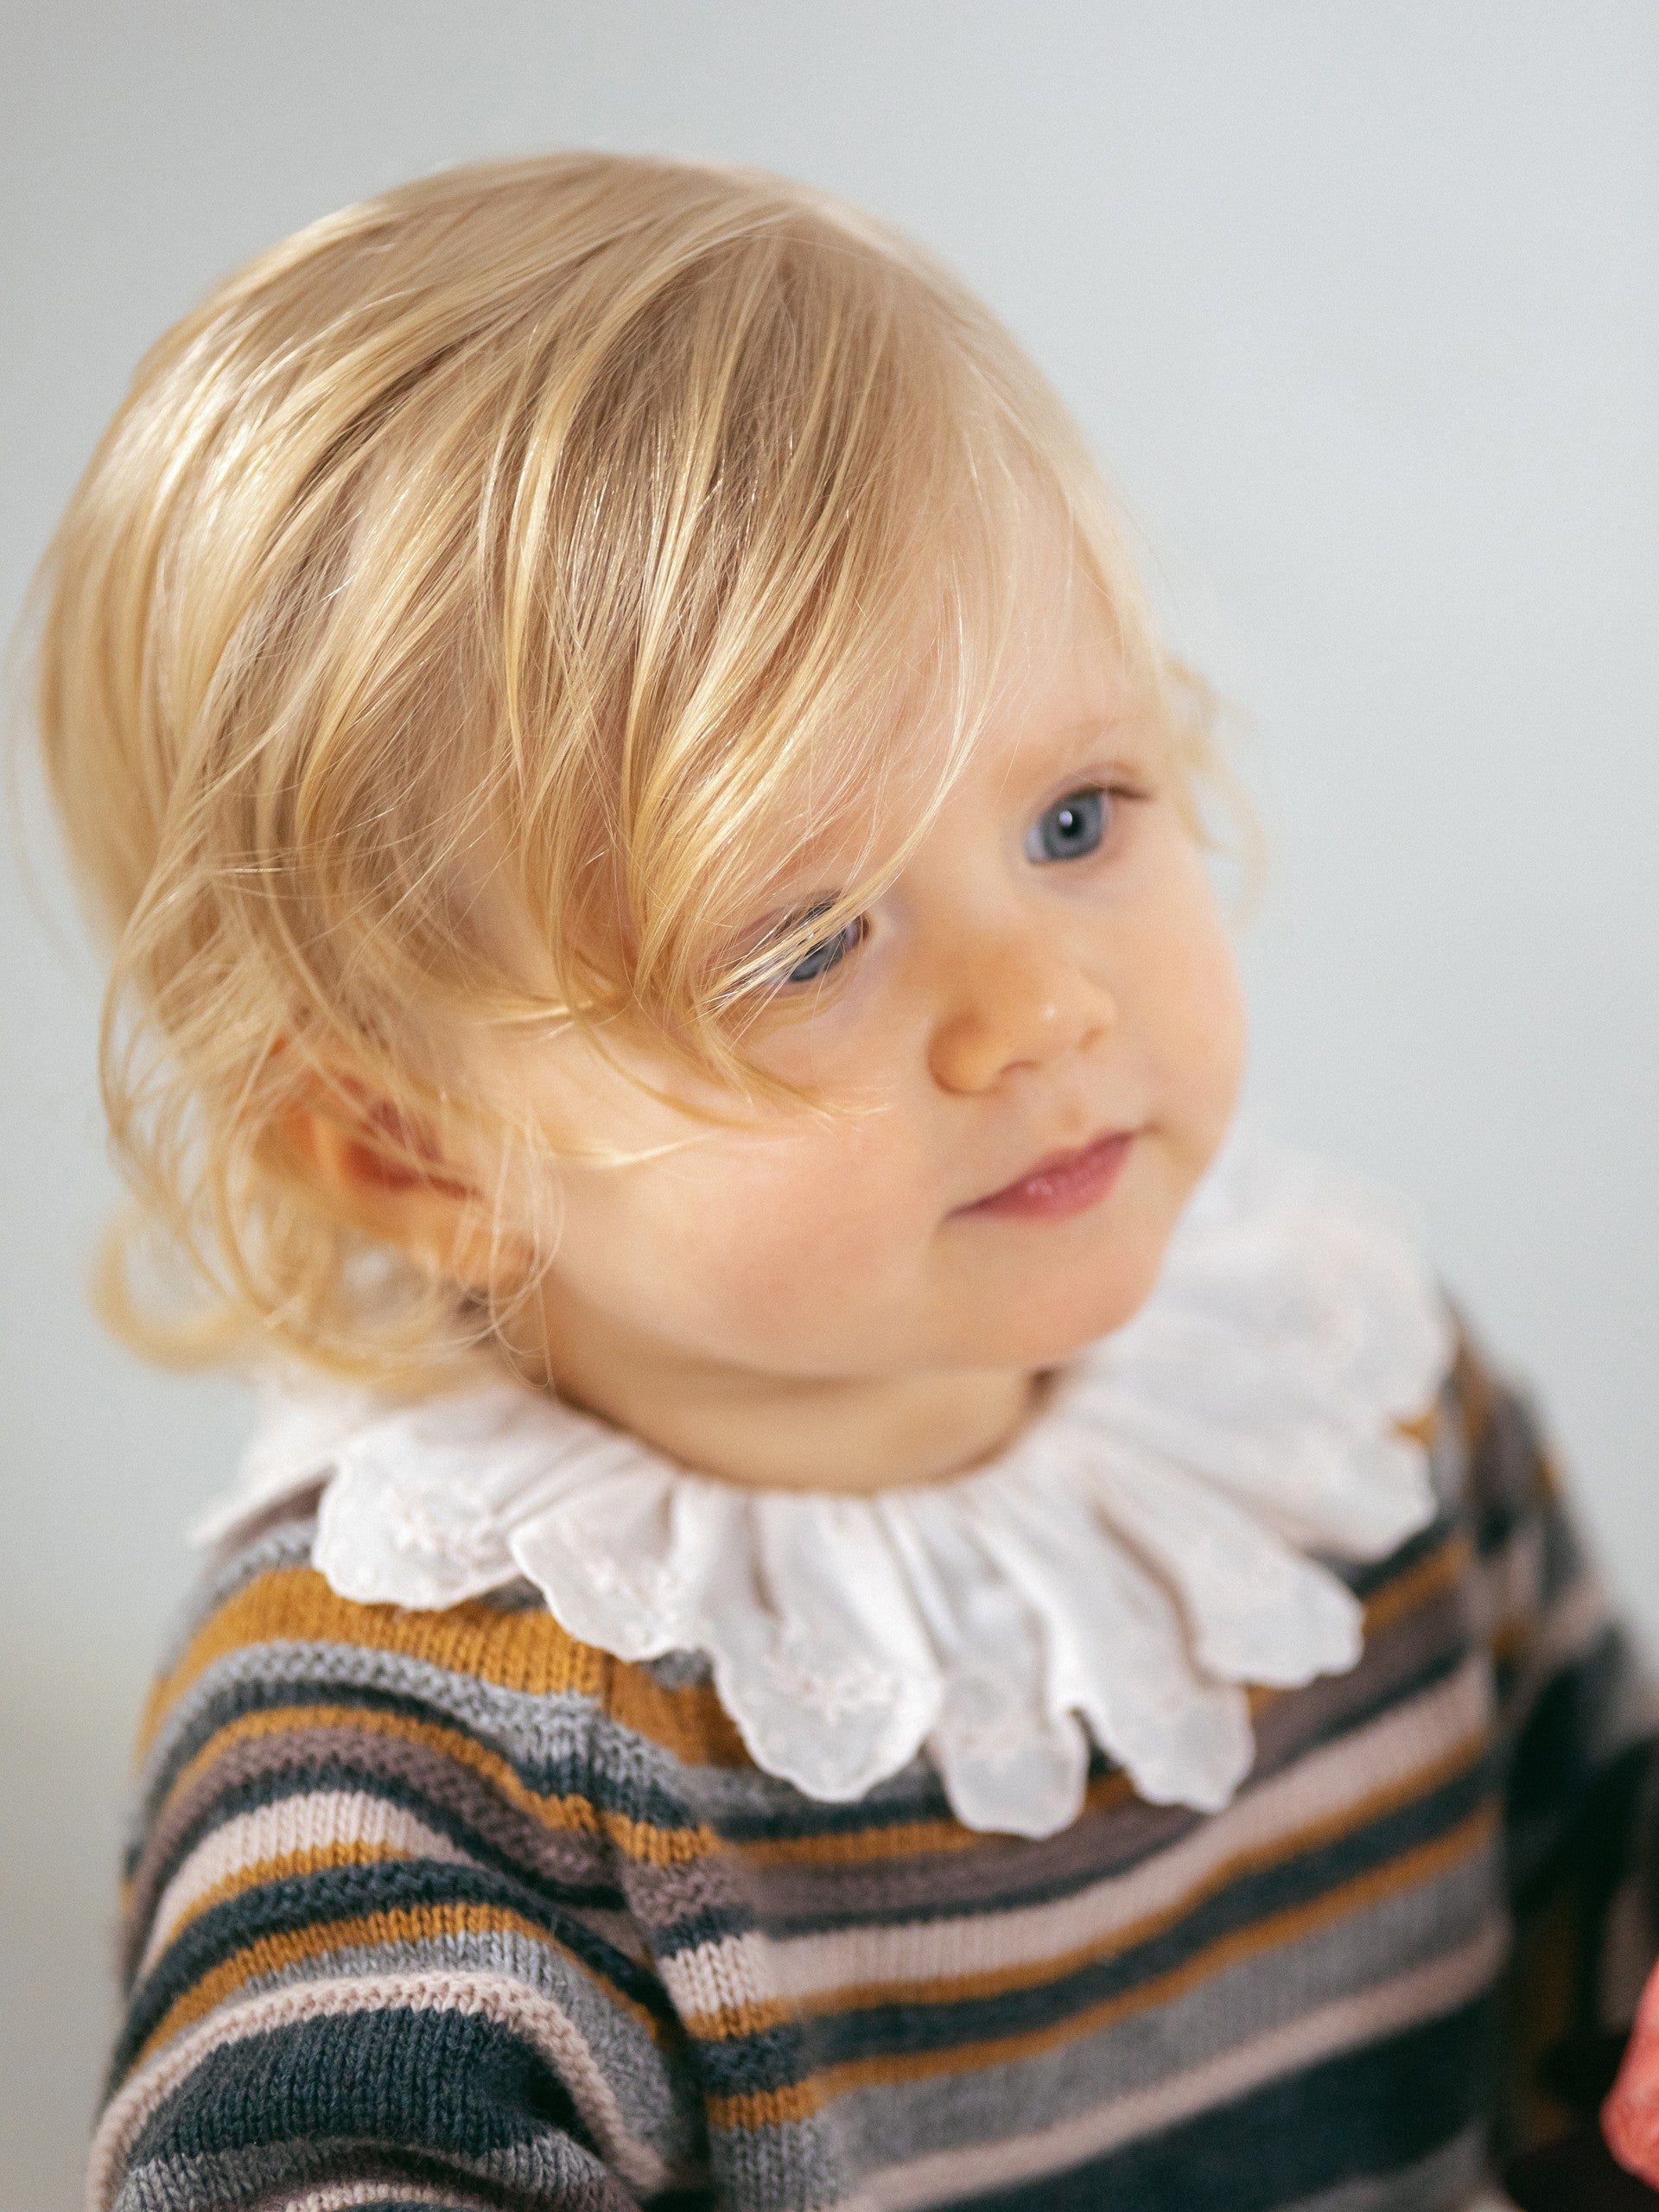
1360,299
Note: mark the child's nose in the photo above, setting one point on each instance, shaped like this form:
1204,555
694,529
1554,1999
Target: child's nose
1019,1002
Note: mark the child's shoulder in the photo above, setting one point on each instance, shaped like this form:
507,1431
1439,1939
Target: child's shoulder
1487,1424
270,1652
264,1592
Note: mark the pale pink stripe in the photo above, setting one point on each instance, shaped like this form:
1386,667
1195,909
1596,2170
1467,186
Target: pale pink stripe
1346,2025
339,2196
313,1822
1324,1782
1506,1581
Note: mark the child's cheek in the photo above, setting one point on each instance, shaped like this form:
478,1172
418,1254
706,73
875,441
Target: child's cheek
1221,1046
1195,1011
810,1251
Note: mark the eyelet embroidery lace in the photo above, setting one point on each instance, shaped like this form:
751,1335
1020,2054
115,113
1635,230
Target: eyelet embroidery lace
438,1523
1152,1543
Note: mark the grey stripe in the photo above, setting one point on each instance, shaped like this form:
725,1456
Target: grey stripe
1395,1656
566,1855
534,1729
799,2168
537,1730
285,1545
554,2170
1002,1872
1353,2019
1151,2048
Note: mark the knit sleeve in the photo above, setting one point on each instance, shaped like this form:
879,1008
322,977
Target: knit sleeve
1576,1735
376,1944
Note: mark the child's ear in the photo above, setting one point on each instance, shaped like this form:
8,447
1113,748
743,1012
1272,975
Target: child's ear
386,1176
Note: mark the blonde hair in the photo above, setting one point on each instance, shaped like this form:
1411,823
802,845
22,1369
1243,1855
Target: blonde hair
522,557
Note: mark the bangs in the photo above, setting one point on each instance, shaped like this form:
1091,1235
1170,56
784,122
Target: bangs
796,590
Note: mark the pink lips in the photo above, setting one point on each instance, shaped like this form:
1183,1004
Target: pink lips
1065,1183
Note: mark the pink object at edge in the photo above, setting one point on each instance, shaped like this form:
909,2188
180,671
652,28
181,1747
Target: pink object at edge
1629,2118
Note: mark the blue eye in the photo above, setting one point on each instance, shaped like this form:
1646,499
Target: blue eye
820,958
1072,827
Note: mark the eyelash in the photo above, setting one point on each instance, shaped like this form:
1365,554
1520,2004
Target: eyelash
853,932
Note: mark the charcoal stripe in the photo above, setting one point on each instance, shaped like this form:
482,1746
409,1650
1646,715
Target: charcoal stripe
1349,2119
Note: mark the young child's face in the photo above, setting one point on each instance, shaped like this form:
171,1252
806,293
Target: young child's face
1050,969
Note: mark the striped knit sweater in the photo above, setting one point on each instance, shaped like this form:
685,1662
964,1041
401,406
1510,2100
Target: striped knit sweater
450,1910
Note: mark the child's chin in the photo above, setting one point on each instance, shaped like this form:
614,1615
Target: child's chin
1061,1318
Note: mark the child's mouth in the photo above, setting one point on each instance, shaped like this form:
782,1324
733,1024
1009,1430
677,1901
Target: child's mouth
1065,1183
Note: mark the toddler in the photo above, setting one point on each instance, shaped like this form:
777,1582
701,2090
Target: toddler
842,1600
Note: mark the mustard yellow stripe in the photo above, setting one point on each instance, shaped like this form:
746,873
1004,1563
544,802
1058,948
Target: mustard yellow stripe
523,1651
283,1867
1441,1571
1315,1836
859,1847
730,2022
1473,1393
639,1840
1429,1578
1422,1427
777,2107
530,1652
273,1955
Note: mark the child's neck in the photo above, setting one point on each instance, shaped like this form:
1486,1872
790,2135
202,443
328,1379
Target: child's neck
779,1432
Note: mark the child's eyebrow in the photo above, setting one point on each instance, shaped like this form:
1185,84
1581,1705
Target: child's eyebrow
1112,721
1114,729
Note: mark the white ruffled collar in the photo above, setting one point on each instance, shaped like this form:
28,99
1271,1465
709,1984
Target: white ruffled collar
1143,1549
